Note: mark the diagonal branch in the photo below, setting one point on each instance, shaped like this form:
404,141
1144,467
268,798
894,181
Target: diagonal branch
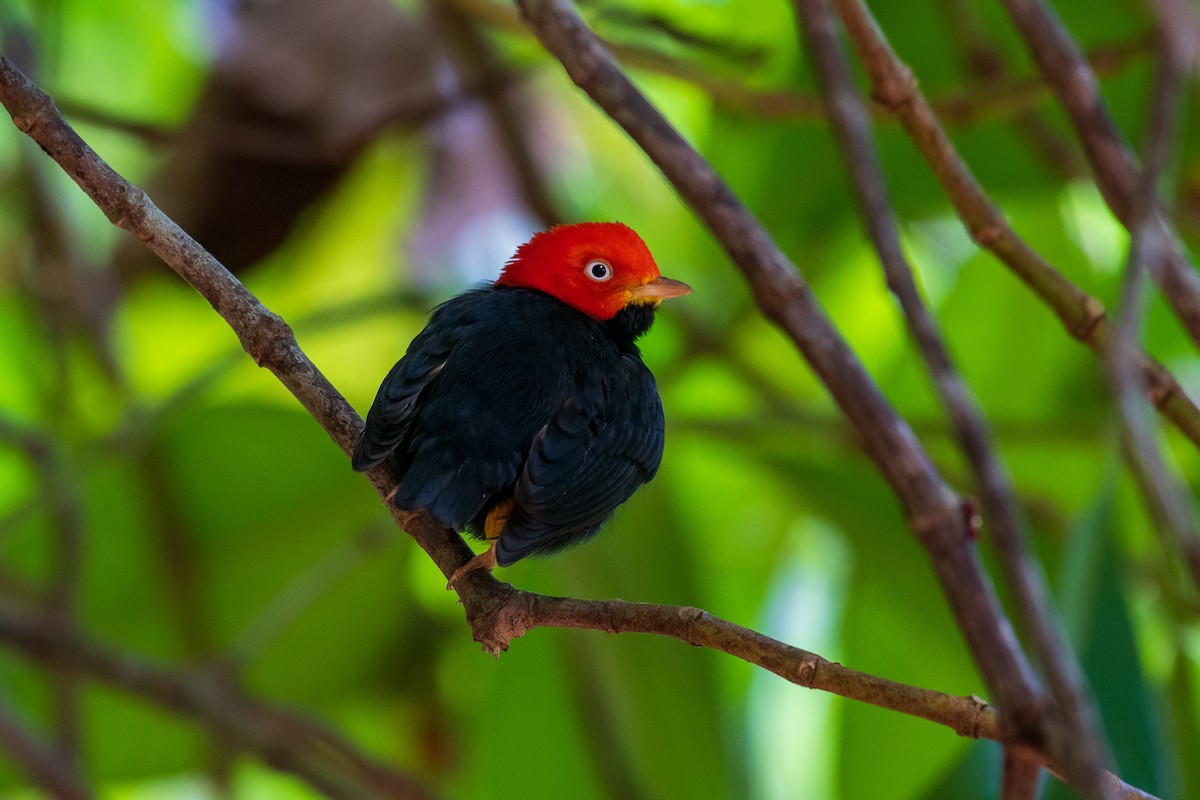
1169,503
986,63
1077,742
61,595
1064,67
895,88
281,738
971,106
46,767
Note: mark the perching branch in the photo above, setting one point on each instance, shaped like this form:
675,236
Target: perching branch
301,748
1077,741
497,612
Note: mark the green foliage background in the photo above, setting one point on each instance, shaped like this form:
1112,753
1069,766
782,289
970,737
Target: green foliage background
765,512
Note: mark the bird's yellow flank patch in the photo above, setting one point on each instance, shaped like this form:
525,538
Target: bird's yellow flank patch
496,519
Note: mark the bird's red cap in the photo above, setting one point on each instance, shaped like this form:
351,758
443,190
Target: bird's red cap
598,268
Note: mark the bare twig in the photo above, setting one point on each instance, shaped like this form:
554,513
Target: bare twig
1083,316
46,767
1078,743
60,597
281,738
1169,503
965,107
984,60
1021,773
475,53
1117,173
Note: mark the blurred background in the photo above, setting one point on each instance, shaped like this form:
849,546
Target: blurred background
357,162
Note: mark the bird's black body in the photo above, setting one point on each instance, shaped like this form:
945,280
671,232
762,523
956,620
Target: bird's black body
509,393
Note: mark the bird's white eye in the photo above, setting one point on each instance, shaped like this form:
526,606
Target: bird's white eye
598,270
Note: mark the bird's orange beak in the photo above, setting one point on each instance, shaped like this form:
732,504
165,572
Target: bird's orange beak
659,288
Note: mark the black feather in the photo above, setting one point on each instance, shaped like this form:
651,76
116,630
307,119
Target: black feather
510,393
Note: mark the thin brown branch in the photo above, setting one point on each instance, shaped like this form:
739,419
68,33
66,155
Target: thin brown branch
60,597
182,586
45,767
152,134
262,334
1077,741
474,52
518,612
1169,503
1083,316
1118,175
985,62
1021,773
281,738
962,107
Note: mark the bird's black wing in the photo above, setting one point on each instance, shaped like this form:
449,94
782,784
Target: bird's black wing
461,425
604,442
391,415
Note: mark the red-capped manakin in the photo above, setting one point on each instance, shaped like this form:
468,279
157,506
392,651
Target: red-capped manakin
523,413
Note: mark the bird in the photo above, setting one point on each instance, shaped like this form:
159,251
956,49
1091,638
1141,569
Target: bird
522,414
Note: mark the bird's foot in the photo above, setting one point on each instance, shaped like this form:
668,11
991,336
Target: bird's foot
485,560
387,499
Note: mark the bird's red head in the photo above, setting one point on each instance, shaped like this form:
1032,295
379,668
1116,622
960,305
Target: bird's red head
598,268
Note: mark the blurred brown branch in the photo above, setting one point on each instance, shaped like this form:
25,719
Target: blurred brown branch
895,87
1078,743
281,738
1117,173
997,100
1169,503
47,768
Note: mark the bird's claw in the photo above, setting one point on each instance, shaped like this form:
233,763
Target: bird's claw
485,560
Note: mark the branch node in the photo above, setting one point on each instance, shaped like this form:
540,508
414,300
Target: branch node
930,524
806,670
692,617
269,341
500,618
1093,314
989,234
981,709
1159,391
896,90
